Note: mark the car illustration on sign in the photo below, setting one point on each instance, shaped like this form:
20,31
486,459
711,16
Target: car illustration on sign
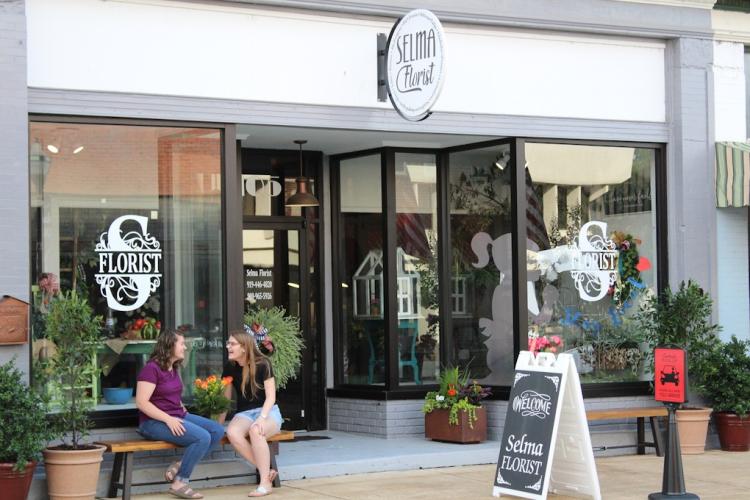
670,377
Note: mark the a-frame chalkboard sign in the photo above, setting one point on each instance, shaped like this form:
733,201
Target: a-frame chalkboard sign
546,444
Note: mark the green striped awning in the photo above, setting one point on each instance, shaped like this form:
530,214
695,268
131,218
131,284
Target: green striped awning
732,174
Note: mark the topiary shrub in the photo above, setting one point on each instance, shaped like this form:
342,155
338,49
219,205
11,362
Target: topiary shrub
25,431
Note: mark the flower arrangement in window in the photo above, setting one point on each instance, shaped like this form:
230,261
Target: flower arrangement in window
209,395
630,265
147,328
456,394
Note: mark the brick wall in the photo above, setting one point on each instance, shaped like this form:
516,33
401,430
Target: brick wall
14,176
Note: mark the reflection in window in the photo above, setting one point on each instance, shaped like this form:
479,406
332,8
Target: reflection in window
164,182
361,271
481,260
417,288
591,252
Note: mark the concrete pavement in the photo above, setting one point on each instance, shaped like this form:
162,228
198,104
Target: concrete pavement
713,475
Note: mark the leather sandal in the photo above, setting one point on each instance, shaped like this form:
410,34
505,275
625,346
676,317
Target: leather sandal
185,492
260,491
171,471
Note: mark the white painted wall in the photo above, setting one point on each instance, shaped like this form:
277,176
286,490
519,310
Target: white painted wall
734,300
733,304
262,54
729,91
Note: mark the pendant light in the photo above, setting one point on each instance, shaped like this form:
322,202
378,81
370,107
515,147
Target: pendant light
302,198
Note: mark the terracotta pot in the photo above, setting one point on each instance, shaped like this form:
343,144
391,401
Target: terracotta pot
15,485
73,474
692,425
437,427
733,434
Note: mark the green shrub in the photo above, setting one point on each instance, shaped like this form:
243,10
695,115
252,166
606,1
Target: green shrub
682,319
24,431
75,331
727,378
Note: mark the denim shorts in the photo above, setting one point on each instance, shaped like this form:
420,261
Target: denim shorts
253,414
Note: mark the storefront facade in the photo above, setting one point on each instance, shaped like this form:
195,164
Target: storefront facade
436,243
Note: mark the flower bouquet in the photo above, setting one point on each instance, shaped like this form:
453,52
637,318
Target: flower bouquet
543,343
454,412
209,397
143,328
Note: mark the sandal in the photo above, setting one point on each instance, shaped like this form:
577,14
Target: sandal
185,492
260,491
171,471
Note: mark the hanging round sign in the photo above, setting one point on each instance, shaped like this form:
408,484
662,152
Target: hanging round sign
415,64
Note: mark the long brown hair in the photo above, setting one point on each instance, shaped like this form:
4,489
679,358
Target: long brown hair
253,357
164,348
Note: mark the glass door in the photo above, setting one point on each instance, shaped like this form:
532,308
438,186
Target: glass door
275,275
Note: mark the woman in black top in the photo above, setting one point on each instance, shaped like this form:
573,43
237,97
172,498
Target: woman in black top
257,412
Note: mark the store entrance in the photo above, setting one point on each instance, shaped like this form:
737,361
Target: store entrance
275,271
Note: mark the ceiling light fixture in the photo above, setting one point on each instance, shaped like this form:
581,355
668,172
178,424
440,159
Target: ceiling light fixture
302,198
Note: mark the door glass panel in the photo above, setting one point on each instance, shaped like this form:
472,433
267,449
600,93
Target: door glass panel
271,265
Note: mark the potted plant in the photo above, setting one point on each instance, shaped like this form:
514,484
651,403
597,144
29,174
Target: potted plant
209,399
23,434
727,382
682,319
454,413
73,466
278,337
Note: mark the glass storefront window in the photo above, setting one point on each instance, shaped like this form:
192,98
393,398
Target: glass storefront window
417,290
480,204
591,252
130,217
361,270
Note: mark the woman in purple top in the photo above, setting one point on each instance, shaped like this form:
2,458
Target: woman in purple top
163,417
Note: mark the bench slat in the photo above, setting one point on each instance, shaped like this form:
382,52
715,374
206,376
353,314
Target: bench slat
615,413
147,445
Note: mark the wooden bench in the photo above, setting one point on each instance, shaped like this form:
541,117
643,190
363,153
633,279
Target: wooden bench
123,464
652,413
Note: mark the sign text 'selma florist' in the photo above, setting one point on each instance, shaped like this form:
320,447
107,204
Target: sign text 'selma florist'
415,64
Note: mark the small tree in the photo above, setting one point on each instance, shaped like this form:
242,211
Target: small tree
24,431
75,331
727,380
682,319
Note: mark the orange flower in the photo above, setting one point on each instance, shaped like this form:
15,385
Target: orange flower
451,390
204,385
198,382
226,380
211,378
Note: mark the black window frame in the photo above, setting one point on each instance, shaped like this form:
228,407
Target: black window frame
392,390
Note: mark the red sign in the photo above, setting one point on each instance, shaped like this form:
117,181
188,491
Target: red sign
670,375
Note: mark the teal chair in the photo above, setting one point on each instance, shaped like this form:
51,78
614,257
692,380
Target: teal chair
407,358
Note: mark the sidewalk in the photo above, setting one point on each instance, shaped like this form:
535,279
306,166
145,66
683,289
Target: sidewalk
713,475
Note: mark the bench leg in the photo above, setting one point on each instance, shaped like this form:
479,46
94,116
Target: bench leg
114,479
641,436
658,437
274,449
127,476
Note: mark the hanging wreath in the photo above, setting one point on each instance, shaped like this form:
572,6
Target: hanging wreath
629,266
278,336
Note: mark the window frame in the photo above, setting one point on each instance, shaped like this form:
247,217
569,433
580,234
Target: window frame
392,389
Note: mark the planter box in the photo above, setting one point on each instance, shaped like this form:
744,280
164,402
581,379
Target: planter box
436,427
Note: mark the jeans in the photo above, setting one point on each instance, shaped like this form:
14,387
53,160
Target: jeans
201,436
